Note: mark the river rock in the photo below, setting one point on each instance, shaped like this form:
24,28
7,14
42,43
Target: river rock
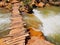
1,4
41,4
47,5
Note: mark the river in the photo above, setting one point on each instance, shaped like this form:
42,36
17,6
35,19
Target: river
4,21
48,21
51,25
45,19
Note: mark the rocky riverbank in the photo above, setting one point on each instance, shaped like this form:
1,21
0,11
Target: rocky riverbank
35,36
29,5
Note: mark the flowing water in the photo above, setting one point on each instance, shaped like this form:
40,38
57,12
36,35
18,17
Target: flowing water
48,21
45,19
51,25
4,22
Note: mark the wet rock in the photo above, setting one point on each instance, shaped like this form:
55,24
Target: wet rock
34,6
47,5
36,41
41,4
7,1
54,3
13,1
36,33
2,4
8,6
37,1
29,9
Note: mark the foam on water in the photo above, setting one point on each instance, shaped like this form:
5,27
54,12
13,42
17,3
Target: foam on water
51,24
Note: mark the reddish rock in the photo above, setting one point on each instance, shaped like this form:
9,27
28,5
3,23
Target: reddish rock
47,5
41,4
37,41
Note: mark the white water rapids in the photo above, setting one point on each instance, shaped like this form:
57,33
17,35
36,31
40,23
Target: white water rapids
51,24
4,21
